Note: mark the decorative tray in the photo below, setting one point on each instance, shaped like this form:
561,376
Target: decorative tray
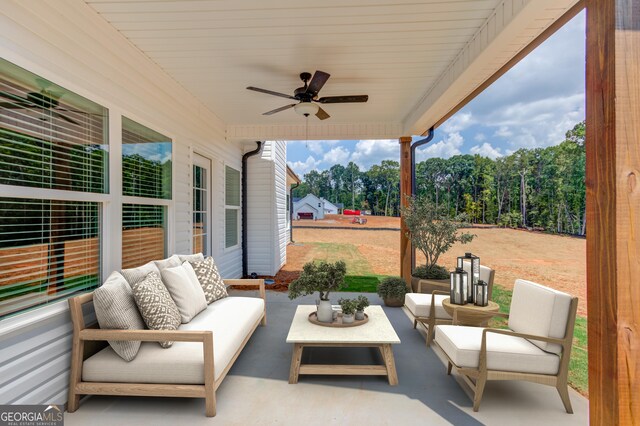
313,317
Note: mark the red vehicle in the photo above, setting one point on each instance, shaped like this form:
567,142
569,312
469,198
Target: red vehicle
351,212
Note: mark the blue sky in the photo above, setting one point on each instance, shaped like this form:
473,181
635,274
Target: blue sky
532,105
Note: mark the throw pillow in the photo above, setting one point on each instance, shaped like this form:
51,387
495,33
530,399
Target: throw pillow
116,310
210,279
198,257
187,294
169,262
156,306
133,275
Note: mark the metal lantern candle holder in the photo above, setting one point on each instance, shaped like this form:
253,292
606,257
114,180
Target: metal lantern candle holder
481,295
474,274
459,287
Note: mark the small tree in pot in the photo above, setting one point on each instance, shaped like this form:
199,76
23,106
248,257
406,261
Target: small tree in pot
392,291
322,277
362,302
349,307
433,232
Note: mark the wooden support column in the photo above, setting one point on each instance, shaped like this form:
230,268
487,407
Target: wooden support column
613,210
405,191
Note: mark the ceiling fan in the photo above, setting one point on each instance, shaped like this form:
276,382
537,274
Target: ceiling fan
307,96
43,100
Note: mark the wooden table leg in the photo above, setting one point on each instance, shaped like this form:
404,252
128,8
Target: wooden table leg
296,359
389,361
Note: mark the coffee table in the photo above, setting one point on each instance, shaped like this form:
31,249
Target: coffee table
470,314
376,333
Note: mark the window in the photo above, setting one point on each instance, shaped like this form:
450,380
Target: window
146,162
143,234
232,207
50,139
201,192
146,173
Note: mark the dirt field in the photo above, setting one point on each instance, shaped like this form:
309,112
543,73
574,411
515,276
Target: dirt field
556,261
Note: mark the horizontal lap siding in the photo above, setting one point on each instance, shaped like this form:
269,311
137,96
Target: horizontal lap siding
281,234
71,45
260,211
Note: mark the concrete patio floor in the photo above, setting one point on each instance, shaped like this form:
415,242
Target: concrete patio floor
256,390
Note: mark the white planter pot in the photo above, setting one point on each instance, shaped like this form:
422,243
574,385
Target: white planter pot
347,319
325,311
360,315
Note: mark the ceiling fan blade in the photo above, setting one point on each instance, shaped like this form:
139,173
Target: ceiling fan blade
322,114
318,80
62,116
273,111
271,92
343,99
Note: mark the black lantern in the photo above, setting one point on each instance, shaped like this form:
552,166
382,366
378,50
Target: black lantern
474,273
481,296
459,287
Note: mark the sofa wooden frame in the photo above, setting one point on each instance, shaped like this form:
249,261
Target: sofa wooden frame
430,322
82,334
482,373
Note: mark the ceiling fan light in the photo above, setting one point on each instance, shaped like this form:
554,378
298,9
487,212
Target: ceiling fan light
306,108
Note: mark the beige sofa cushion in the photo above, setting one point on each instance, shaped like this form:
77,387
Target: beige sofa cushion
169,262
185,290
230,319
539,310
198,257
133,275
116,310
504,353
419,304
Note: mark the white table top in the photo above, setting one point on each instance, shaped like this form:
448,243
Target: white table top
377,330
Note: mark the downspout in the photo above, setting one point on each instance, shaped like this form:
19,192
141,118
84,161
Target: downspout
244,206
294,186
415,145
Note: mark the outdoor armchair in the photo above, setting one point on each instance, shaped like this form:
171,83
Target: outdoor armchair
535,348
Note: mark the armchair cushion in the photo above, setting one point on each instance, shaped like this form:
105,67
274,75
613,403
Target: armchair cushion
504,353
419,304
539,310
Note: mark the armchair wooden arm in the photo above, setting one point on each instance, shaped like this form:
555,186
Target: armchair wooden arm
434,283
146,335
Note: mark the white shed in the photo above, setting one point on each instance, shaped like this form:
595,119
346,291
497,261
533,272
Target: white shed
309,204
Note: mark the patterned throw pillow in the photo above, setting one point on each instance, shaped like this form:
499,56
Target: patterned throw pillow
210,279
156,306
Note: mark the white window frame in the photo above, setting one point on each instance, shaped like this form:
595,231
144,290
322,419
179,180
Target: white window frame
206,163
231,207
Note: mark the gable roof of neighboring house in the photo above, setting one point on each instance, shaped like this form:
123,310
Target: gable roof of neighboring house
300,206
328,204
311,198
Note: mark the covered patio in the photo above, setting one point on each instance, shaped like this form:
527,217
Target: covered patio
179,69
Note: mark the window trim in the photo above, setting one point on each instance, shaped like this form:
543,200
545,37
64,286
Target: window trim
200,160
232,207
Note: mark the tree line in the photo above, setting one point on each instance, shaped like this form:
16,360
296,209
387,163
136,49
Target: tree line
539,188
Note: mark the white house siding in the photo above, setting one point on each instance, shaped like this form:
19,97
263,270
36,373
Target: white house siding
71,45
266,213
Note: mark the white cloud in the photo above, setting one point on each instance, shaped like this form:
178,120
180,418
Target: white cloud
480,137
503,132
486,150
369,152
337,155
447,147
302,167
458,122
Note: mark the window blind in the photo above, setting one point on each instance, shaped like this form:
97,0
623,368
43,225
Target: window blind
50,137
231,227
146,161
143,234
232,186
48,250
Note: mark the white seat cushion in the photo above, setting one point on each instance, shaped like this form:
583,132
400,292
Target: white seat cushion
230,319
539,310
504,353
419,304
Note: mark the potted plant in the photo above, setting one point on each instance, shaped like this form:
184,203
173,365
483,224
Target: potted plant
432,231
324,278
349,307
361,303
392,291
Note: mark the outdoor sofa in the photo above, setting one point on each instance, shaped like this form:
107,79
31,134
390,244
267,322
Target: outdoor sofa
203,351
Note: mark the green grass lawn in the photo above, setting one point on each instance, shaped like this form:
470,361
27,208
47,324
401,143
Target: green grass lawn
578,377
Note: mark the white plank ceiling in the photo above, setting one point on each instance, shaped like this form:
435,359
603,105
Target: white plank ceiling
394,51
